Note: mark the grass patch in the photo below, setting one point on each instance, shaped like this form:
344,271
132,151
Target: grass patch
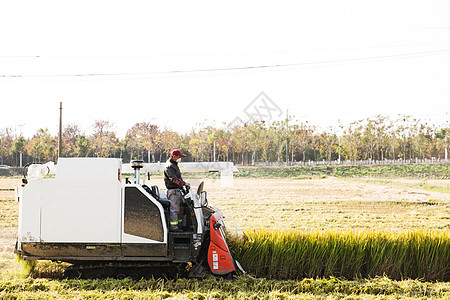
439,189
240,288
9,172
41,268
437,170
27,267
423,184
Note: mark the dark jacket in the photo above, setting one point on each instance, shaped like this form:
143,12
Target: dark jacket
172,175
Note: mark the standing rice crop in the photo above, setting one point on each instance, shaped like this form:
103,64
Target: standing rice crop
348,254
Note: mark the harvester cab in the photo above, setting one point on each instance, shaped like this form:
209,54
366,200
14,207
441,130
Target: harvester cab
105,226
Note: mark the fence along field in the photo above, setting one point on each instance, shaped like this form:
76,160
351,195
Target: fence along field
324,220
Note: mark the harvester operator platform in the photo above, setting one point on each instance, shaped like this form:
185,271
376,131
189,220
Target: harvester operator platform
174,183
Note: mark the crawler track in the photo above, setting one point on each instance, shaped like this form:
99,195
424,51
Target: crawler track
135,270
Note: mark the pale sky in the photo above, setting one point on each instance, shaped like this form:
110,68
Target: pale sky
180,63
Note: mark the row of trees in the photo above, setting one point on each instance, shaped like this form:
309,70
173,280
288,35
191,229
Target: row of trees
376,138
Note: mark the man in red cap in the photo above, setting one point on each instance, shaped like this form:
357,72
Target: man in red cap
174,184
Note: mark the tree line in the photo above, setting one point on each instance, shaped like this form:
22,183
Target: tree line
377,138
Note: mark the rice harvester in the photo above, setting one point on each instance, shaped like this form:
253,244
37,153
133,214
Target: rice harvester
91,215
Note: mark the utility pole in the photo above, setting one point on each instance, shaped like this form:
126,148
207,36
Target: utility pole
339,158
287,137
60,131
446,137
21,125
339,150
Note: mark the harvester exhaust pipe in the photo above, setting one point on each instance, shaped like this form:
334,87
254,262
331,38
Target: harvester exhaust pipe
137,165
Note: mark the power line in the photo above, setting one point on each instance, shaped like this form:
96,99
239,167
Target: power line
223,54
245,68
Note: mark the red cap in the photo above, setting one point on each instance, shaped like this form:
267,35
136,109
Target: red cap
178,153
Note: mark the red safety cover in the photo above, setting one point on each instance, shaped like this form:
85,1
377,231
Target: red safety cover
219,258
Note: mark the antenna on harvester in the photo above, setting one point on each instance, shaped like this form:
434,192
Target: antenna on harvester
60,131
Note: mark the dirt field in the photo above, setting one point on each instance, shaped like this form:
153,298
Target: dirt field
285,204
333,204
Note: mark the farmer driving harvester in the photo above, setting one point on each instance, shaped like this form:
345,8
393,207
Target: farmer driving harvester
174,183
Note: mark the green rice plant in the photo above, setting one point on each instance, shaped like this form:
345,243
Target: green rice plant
347,254
27,267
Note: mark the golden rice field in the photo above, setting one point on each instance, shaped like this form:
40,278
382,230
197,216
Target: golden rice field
327,209
345,254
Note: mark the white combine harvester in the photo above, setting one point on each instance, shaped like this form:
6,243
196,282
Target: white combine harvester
89,216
